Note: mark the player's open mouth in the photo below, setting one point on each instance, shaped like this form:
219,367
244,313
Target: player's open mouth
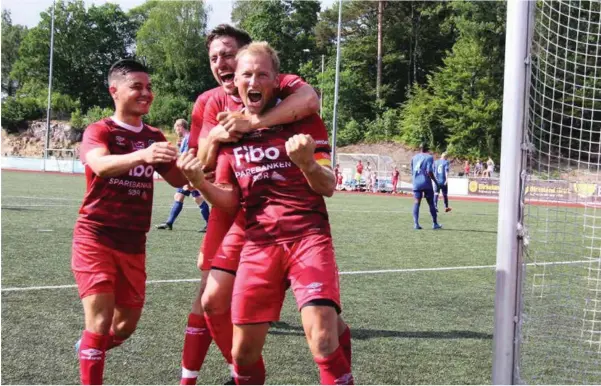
254,96
227,78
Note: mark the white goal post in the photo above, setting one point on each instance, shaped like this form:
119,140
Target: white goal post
548,273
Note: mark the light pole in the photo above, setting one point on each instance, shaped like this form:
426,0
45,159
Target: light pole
323,61
48,109
336,85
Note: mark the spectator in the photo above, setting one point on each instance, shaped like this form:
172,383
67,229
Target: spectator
490,167
395,179
358,174
478,169
369,178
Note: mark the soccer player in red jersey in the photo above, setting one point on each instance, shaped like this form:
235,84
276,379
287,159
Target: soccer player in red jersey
120,155
282,173
395,179
301,100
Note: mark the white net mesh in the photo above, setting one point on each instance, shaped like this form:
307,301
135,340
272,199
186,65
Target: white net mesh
381,171
559,335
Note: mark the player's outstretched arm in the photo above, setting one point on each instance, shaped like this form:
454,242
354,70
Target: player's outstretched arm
174,177
301,150
222,196
105,164
300,104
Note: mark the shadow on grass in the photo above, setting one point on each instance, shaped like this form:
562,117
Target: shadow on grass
283,328
20,209
468,230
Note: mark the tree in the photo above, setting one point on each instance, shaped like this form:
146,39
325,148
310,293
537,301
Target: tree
286,24
12,36
172,42
86,44
460,107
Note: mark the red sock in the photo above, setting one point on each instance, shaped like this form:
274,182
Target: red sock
91,357
250,375
222,331
345,342
113,341
334,369
196,345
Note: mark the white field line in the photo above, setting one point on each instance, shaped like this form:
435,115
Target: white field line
404,270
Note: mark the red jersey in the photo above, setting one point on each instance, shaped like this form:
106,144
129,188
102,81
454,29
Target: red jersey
360,168
395,175
220,101
280,205
197,116
123,202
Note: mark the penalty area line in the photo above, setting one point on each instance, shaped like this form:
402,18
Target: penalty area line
344,273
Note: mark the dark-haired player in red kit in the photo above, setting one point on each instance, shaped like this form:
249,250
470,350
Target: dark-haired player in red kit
300,100
120,155
282,173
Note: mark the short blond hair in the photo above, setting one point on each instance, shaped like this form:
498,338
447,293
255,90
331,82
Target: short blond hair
261,48
182,122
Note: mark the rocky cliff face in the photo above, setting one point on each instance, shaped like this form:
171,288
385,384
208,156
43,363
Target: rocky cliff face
30,142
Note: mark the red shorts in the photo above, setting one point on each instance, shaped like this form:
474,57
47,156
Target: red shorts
219,224
227,257
264,271
99,268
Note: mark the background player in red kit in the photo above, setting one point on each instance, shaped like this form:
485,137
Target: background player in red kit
395,180
282,181
301,100
120,155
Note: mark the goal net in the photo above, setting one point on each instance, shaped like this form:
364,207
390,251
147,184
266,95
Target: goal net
381,166
60,160
558,336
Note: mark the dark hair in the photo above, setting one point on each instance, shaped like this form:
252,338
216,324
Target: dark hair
125,66
423,147
242,37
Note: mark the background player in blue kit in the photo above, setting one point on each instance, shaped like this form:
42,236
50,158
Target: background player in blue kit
441,172
181,129
422,171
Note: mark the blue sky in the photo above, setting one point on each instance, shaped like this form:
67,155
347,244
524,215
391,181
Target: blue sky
27,12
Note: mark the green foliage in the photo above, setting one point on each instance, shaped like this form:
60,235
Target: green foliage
81,121
12,36
167,108
442,64
15,111
171,40
385,127
30,106
77,120
349,133
287,25
86,43
420,121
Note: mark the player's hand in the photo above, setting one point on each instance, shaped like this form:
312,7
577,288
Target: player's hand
191,168
159,152
220,134
301,149
236,121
